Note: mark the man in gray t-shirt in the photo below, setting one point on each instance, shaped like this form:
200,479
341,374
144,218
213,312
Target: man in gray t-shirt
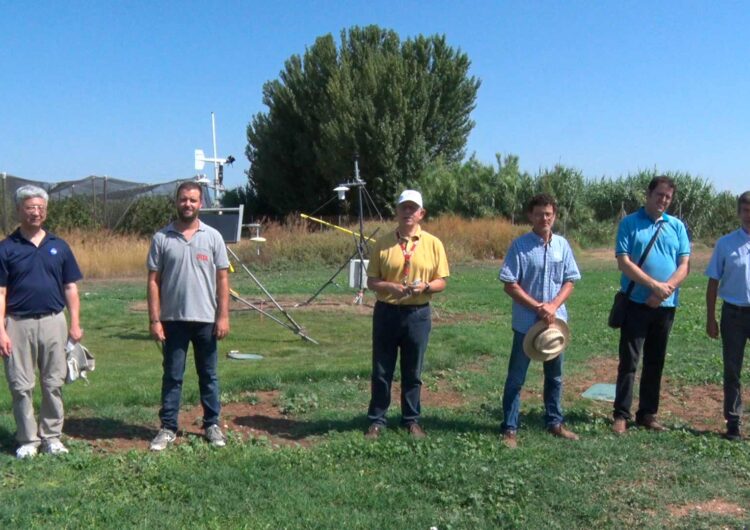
188,302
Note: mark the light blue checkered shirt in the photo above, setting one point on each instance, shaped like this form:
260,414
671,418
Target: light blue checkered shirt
540,270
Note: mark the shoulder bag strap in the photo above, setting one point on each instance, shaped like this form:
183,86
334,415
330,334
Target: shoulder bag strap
631,285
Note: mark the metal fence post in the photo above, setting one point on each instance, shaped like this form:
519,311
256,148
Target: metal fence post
93,199
104,215
5,203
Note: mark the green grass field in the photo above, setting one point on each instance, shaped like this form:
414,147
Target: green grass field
312,468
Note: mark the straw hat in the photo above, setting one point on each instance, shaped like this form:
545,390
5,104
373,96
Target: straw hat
543,342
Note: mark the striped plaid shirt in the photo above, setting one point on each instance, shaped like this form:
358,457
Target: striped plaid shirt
540,270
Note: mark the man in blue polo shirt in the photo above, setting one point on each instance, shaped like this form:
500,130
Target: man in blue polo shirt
729,276
538,273
37,280
651,306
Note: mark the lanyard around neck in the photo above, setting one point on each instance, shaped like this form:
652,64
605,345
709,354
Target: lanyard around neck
404,243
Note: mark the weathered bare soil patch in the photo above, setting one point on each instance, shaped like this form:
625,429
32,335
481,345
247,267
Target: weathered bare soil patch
713,506
697,406
330,304
262,419
700,407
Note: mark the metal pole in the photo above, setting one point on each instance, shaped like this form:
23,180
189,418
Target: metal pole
330,280
361,243
105,202
361,208
360,249
217,197
5,203
298,331
299,328
93,198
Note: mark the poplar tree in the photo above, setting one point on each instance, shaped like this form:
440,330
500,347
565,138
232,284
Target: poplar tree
395,105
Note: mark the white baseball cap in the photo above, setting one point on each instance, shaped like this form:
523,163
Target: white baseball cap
410,195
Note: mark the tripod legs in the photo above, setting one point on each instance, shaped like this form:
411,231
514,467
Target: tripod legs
361,292
292,323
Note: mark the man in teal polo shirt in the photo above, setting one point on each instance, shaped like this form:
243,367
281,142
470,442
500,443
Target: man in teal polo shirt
729,276
651,307
38,275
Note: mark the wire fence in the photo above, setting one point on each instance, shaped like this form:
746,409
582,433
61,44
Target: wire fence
109,198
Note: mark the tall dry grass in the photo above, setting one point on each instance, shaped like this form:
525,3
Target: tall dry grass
104,254
295,244
303,242
474,239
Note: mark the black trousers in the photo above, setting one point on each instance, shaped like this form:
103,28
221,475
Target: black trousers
644,332
404,329
735,331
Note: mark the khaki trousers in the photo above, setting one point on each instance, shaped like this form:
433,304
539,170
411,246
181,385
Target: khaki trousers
37,343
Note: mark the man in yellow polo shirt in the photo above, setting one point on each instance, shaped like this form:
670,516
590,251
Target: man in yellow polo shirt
407,266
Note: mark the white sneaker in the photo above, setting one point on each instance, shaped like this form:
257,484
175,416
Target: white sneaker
215,437
55,447
163,439
26,451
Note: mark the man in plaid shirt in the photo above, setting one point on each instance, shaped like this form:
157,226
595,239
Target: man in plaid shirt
538,274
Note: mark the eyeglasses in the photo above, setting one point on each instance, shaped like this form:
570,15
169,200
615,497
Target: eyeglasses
35,207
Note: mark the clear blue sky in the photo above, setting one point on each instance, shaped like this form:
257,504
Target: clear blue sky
125,89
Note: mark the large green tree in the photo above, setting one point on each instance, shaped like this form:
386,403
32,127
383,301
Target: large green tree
396,105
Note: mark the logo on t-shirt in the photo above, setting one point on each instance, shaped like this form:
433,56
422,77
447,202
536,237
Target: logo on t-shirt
53,251
202,257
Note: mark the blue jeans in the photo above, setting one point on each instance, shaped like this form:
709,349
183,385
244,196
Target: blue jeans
735,330
394,328
179,336
517,368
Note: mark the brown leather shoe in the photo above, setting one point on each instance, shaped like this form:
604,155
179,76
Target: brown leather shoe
509,439
619,426
374,431
649,422
561,432
416,431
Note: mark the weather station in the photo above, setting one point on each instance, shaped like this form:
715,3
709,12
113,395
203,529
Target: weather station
357,262
228,221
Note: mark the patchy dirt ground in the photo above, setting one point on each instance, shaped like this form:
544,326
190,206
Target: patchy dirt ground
697,406
714,506
262,419
257,420
329,304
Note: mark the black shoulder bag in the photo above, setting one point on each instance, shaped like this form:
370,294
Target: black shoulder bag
617,313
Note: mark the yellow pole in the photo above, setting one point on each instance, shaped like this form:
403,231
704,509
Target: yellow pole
321,221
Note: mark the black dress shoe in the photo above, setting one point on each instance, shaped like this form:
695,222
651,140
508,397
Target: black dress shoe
733,433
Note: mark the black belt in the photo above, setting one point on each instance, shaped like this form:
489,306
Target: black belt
404,307
738,308
37,316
